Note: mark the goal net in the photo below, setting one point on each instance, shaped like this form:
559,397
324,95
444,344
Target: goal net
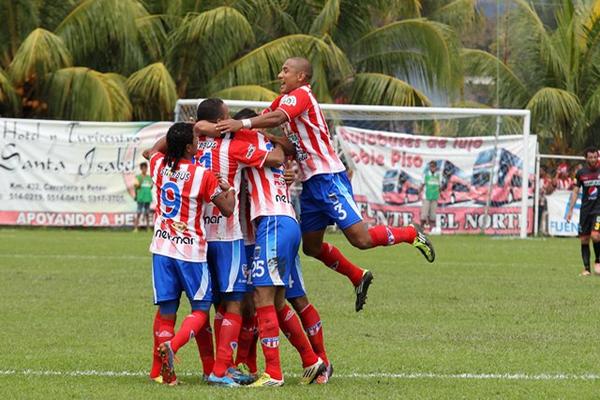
484,158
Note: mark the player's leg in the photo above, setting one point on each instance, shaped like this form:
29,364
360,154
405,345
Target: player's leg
138,214
206,352
288,243
245,360
167,291
424,212
195,280
595,236
147,215
230,260
266,269
585,230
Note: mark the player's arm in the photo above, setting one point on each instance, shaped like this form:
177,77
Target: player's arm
275,157
206,128
225,200
269,120
288,147
572,201
159,147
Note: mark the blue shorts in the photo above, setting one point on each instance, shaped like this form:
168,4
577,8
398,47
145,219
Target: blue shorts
249,248
327,199
171,277
295,287
275,251
228,267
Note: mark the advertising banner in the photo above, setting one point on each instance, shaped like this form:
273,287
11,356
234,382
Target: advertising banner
558,203
389,169
61,173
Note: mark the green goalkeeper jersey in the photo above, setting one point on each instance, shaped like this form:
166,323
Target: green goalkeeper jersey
143,194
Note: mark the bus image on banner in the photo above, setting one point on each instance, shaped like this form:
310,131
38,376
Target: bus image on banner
507,172
455,185
400,188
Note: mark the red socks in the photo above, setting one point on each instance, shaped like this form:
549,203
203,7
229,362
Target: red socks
246,340
217,324
163,330
334,259
291,328
189,328
227,342
268,331
311,321
204,340
382,235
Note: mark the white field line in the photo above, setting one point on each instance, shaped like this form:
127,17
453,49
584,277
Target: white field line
78,256
356,375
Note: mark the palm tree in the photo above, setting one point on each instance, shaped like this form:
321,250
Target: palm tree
123,59
551,71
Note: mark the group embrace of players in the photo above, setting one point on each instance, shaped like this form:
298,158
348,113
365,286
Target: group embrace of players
226,234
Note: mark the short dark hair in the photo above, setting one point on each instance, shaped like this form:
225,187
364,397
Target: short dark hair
179,135
589,150
209,110
144,165
245,113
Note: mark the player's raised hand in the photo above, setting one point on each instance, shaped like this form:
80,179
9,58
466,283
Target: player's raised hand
229,125
289,174
569,216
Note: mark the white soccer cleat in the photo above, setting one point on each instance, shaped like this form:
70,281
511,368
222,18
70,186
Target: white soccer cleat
312,371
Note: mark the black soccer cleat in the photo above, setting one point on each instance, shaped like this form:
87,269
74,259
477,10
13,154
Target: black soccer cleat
423,244
362,289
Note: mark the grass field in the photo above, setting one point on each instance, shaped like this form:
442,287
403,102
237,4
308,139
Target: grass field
492,318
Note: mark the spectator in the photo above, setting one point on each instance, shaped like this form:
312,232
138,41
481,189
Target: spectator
143,195
432,194
562,180
546,188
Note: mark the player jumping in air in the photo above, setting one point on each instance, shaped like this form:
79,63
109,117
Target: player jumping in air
179,245
327,194
588,179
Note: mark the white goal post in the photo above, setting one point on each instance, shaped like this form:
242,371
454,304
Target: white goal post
185,110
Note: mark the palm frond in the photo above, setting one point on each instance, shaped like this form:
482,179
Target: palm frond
193,54
19,17
9,100
40,53
379,89
268,18
327,18
261,65
512,91
555,108
433,40
106,35
246,92
459,14
78,93
152,93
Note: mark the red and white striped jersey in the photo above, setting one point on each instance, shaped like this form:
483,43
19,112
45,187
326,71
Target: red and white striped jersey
182,195
226,157
308,130
269,194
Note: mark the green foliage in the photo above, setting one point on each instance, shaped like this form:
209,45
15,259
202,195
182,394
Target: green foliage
225,48
152,92
79,93
40,53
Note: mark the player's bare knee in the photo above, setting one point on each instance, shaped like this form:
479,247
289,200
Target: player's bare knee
596,237
584,239
299,303
362,242
311,250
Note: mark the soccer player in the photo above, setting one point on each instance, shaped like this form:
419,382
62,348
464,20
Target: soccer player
274,263
227,156
270,196
143,195
327,194
588,179
179,244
